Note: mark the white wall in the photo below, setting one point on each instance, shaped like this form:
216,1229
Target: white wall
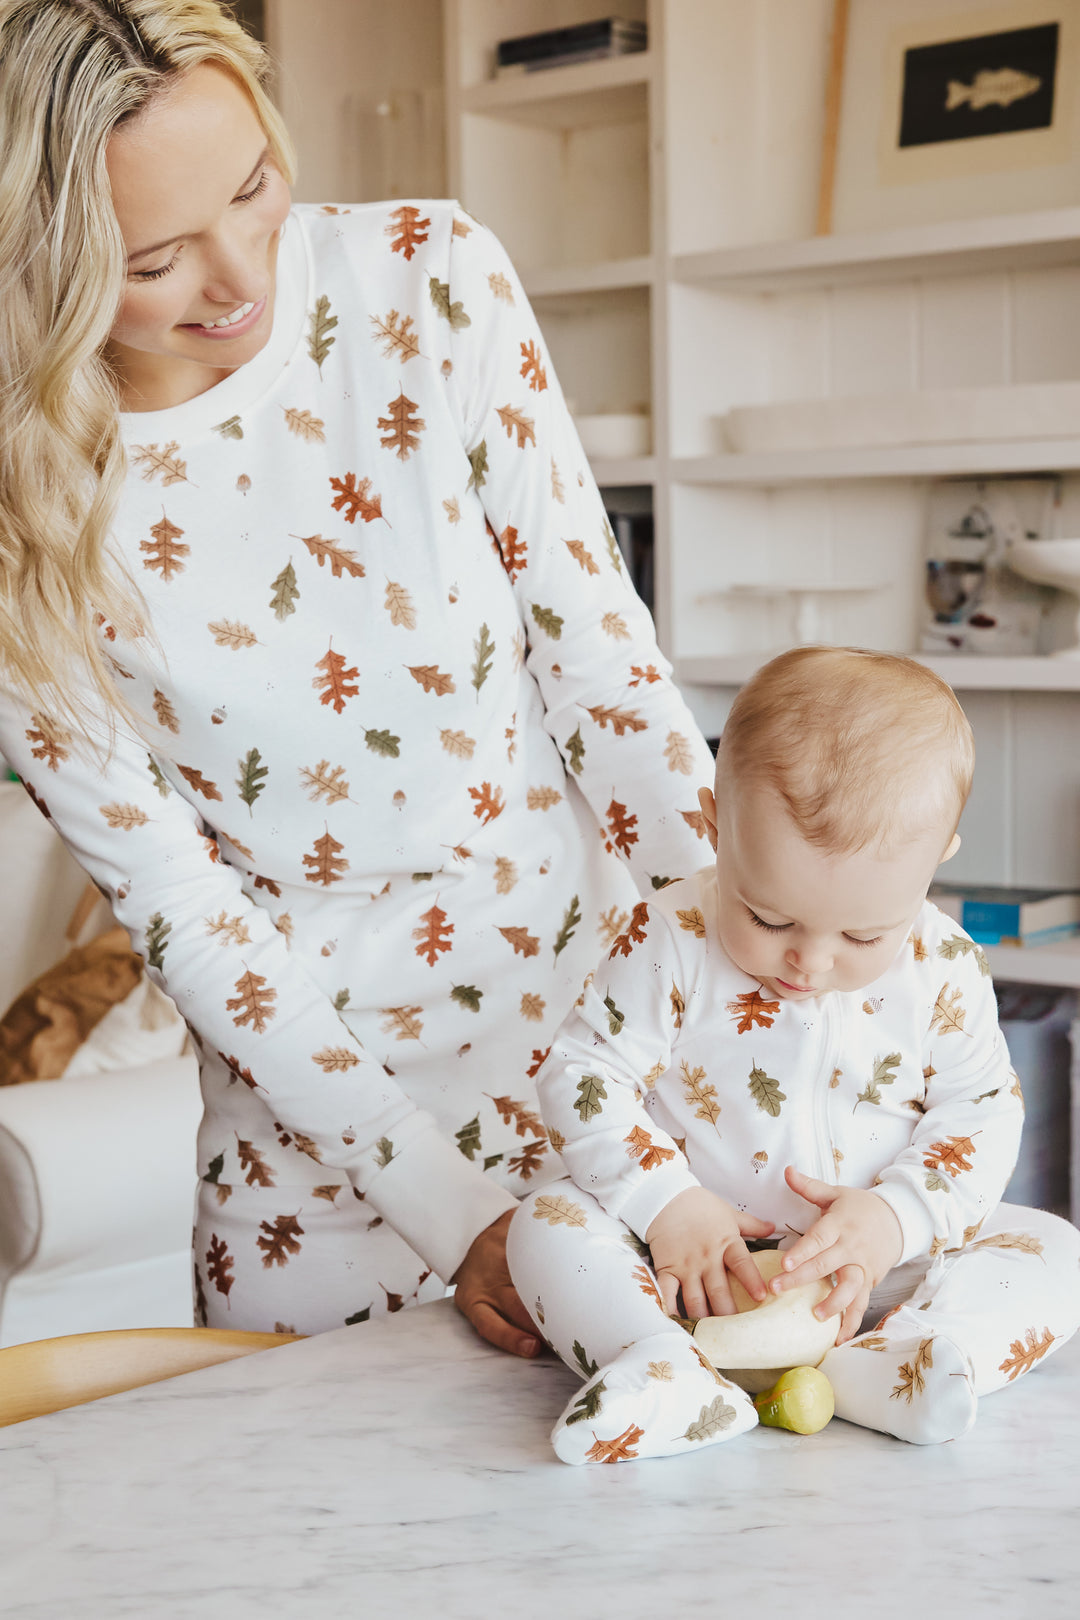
360,86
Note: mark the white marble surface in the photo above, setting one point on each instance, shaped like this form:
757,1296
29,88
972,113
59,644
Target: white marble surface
402,1469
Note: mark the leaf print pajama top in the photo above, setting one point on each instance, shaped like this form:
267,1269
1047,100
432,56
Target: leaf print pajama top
410,751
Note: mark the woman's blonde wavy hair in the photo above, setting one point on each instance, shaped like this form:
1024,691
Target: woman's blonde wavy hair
71,71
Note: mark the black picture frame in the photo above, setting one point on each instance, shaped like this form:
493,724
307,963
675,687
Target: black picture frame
986,84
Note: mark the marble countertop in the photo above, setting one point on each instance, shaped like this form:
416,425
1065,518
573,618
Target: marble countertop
402,1469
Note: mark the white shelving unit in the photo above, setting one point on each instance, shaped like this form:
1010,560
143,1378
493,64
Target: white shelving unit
660,208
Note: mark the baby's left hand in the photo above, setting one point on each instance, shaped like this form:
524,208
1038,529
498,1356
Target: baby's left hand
857,1236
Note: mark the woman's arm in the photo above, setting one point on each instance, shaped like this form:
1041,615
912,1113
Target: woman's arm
625,733
242,991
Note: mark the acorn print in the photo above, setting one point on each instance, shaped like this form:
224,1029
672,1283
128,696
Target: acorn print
399,800
243,483
454,592
759,1161
219,716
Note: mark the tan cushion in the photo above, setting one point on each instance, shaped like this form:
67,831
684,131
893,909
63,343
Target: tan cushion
44,1027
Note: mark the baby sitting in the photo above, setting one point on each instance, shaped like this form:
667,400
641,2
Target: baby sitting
796,1042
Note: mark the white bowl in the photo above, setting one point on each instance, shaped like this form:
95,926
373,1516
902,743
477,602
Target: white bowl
615,434
1050,562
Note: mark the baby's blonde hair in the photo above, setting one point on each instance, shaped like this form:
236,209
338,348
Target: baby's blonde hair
72,71
864,748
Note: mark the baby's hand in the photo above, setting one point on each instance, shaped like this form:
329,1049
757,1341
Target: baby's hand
857,1236
695,1241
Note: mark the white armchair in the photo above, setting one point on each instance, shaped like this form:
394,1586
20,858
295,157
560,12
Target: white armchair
97,1170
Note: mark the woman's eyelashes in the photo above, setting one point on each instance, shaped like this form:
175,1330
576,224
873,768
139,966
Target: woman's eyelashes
244,197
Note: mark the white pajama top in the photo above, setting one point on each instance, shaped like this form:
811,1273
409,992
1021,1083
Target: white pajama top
676,1069
410,750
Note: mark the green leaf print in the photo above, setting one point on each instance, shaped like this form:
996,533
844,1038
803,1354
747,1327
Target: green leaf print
156,942
440,297
575,748
548,620
589,1368
765,1092
286,592
468,1138
613,548
252,778
320,324
214,1169
385,1152
492,1160
159,781
230,428
571,918
641,1249
358,1316
884,1074
956,945
484,647
590,1088
616,1019
478,461
422,877
662,882
711,1420
467,995
341,1001
935,1183
589,1405
382,742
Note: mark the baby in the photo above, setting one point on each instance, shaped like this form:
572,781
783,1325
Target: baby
796,1043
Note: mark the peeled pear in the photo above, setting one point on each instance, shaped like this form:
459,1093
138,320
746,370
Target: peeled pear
764,1340
800,1400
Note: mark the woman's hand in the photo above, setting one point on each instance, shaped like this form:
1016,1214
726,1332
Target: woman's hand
489,1299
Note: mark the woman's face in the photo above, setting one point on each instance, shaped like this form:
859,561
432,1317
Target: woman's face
200,203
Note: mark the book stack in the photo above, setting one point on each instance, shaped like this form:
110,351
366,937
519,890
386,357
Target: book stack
1005,916
558,47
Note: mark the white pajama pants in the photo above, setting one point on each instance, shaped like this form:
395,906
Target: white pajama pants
980,1318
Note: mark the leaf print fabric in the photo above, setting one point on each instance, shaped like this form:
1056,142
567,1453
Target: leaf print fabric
673,1070
355,705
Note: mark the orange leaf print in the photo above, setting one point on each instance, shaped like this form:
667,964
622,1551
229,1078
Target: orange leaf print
341,561
335,1059
620,827
512,550
531,367
432,679
949,1012
696,820
679,753
538,1060
48,741
529,1160
327,864
520,1115
583,557
489,802
952,1156
644,1279
253,1001
396,334
338,683
621,1449
408,230
620,720
124,817
640,1146
166,714
751,1008
402,427
165,551
280,1240
524,943
516,422
198,781
251,1160
634,934
434,937
355,499
649,674
1024,1354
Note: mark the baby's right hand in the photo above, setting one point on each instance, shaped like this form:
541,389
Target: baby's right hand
695,1241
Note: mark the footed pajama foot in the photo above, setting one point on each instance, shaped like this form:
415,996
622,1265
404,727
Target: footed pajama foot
658,1398
920,1390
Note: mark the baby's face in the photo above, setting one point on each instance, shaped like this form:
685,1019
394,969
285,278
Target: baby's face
803,921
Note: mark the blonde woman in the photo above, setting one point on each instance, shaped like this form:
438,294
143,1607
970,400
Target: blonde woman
318,650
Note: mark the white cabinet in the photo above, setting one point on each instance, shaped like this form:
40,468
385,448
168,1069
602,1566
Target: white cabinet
661,209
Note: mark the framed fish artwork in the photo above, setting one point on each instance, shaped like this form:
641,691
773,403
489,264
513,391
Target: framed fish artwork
938,113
